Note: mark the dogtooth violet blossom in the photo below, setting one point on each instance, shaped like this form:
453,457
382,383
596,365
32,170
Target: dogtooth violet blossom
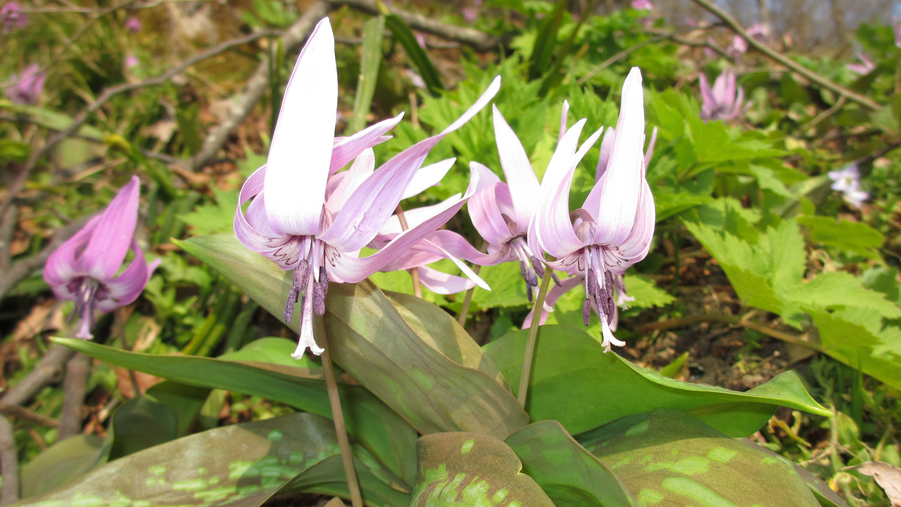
26,88
722,102
847,181
865,67
613,228
896,25
304,224
83,269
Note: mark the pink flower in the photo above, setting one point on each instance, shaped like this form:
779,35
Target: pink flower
642,5
133,24
865,67
131,61
613,228
83,269
721,102
27,88
738,47
311,221
470,14
896,24
12,17
847,181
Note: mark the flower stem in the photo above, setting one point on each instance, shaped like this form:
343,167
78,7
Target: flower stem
331,386
467,300
414,272
533,336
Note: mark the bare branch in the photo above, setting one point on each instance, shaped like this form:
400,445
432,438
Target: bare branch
9,465
478,40
27,415
782,59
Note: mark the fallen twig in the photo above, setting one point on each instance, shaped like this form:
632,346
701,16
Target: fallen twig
27,415
782,59
74,387
258,84
9,466
734,320
44,373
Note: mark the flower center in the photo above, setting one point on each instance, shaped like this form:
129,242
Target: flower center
88,291
599,286
309,278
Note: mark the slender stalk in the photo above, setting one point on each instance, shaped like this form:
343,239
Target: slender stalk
533,337
331,386
414,272
467,299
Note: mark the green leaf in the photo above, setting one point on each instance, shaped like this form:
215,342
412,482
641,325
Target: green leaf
853,237
437,328
472,469
213,218
241,465
402,33
141,423
372,342
670,458
646,292
185,402
374,425
52,120
63,462
369,72
838,289
600,388
568,474
543,50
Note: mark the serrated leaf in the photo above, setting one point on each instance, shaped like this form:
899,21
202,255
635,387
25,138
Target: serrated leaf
853,237
472,470
600,387
213,218
646,292
838,289
670,458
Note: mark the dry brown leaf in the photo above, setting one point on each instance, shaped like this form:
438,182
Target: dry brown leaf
39,318
888,477
145,382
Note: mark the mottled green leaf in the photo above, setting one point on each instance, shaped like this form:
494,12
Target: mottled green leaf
568,474
371,341
670,458
62,462
141,423
472,470
598,388
239,465
184,401
373,424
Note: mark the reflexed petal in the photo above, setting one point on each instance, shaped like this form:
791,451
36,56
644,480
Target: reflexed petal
621,182
427,177
112,235
256,217
283,250
729,92
524,188
593,201
372,204
346,149
563,113
487,178
707,95
361,169
636,246
125,288
649,152
486,216
554,294
443,283
61,267
301,150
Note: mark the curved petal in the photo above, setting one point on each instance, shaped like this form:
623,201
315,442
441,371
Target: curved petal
112,235
428,176
125,288
707,98
301,150
593,201
553,230
521,179
621,182
649,152
486,215
361,169
61,268
556,292
284,250
372,204
443,283
345,149
563,113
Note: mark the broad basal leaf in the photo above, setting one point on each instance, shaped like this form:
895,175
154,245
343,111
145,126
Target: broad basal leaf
239,465
669,458
568,474
62,462
575,382
472,470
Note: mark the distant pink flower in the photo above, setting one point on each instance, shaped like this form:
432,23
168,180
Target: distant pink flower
131,61
723,101
738,47
865,67
642,5
12,17
896,24
847,181
470,14
133,24
760,31
84,268
420,39
27,88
